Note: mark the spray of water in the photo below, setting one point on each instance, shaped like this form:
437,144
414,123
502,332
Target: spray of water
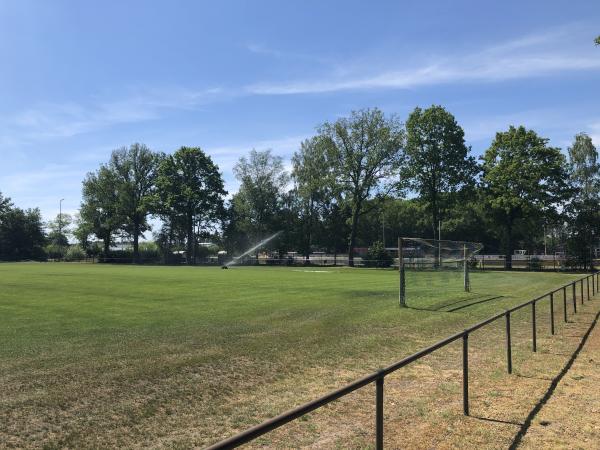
236,259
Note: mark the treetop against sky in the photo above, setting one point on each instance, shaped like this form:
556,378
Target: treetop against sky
80,79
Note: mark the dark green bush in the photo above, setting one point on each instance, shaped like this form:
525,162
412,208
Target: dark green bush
535,264
377,256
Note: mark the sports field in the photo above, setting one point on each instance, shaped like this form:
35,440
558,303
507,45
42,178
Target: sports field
129,356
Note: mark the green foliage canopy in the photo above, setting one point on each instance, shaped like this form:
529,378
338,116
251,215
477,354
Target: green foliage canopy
438,161
190,190
257,203
135,170
522,176
364,150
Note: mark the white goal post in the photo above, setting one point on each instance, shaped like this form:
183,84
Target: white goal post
434,254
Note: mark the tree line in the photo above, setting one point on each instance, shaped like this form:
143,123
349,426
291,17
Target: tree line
363,178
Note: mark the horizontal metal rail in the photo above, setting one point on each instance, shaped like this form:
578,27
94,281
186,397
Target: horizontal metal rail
378,377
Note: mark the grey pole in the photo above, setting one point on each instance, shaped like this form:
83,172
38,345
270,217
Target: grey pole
402,294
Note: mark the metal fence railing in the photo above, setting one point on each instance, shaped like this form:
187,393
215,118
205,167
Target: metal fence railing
379,376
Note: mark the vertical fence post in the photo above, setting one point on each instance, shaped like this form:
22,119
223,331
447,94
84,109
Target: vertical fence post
574,298
466,281
581,285
551,312
533,328
587,283
508,344
379,413
565,303
402,294
466,374
593,285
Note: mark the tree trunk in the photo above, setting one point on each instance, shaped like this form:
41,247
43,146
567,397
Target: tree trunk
434,217
509,244
436,236
136,246
106,246
168,255
353,231
190,239
309,231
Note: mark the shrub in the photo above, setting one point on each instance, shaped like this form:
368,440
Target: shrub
54,251
377,256
149,253
535,264
74,253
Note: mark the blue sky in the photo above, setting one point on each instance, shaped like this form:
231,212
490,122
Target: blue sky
80,78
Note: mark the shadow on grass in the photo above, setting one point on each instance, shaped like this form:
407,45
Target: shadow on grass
441,307
536,409
476,303
531,377
488,419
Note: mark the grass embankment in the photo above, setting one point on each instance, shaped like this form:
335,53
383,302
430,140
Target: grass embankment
125,356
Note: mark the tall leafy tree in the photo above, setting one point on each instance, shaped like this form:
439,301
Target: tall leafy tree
584,167
21,233
190,191
82,232
135,169
522,176
59,229
584,171
439,164
364,150
100,207
312,177
263,180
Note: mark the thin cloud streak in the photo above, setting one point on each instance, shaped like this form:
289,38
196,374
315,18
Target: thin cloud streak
530,56
63,120
508,68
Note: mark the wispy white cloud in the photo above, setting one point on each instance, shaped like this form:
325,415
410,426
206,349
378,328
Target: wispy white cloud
55,120
535,55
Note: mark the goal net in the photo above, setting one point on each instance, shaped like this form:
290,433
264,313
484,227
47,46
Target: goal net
443,265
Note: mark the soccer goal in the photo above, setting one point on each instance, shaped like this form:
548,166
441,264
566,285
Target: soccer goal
444,263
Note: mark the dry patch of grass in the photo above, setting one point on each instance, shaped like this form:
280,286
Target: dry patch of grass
423,402
571,416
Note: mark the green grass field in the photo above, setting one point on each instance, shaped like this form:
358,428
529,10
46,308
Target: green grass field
129,356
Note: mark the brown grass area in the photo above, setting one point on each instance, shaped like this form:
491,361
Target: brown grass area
423,402
571,416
